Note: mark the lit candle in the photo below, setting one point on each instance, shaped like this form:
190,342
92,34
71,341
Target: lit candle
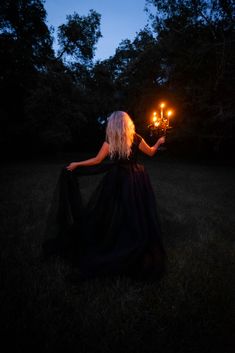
162,105
159,121
169,113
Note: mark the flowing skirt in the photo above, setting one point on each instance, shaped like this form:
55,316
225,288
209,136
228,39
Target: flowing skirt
116,232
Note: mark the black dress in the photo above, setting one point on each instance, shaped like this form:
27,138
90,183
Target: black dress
117,231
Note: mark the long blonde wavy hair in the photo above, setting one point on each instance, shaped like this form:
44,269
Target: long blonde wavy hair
120,134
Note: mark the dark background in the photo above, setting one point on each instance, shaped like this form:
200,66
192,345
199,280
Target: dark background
52,109
53,102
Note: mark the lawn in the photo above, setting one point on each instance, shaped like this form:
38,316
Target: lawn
190,310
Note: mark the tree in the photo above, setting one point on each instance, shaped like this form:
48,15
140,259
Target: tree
196,44
25,48
78,36
45,98
53,110
135,67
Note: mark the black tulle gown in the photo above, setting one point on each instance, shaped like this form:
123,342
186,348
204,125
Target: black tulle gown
117,231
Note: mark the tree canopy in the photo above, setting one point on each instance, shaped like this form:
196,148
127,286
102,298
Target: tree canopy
57,99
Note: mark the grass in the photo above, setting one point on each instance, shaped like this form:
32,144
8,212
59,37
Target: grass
190,310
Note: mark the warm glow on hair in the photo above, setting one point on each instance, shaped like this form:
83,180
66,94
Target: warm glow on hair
120,134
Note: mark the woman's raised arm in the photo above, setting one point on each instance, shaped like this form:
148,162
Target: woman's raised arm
103,152
150,151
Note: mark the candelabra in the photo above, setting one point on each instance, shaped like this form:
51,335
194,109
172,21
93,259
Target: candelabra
160,123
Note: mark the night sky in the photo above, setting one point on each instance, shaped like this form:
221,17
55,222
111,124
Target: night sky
119,19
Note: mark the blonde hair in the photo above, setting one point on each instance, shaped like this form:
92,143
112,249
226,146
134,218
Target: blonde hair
120,134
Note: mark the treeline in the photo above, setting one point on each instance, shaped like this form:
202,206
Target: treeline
56,100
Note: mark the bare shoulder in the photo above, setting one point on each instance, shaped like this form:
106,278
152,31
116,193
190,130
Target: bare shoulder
105,145
104,148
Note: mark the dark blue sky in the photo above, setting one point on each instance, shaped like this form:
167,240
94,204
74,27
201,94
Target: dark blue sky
120,19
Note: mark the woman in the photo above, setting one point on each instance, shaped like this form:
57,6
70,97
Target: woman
118,231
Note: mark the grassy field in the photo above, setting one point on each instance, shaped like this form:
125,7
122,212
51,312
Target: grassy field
190,310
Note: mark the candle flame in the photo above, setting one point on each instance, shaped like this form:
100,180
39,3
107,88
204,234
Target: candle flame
169,113
161,119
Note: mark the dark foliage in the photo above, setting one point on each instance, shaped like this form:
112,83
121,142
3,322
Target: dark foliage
55,101
25,48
